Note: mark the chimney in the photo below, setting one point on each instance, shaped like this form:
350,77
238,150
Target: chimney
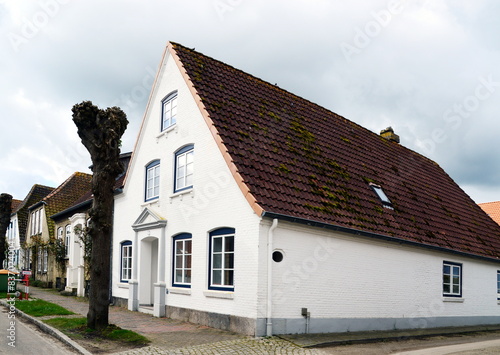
389,134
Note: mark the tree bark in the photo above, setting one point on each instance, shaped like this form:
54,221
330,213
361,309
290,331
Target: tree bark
100,132
5,212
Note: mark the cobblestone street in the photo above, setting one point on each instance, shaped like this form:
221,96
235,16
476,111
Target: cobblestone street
241,346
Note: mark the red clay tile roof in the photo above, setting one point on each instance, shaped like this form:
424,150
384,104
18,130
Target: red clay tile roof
65,195
15,204
36,193
492,209
84,201
299,159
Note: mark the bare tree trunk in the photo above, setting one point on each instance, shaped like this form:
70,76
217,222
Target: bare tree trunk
5,212
100,132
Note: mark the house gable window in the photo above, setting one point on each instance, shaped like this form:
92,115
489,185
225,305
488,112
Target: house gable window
182,260
184,168
152,180
36,222
60,233
126,261
169,111
221,259
67,240
452,279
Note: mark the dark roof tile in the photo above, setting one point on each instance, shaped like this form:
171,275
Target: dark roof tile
304,161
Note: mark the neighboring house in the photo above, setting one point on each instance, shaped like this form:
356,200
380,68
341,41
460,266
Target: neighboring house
248,208
12,240
70,226
45,246
492,209
16,233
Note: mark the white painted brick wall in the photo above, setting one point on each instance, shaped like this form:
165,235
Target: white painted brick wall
344,276
216,201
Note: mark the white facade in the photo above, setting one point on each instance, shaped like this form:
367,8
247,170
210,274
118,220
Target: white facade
13,261
354,283
75,269
327,281
214,202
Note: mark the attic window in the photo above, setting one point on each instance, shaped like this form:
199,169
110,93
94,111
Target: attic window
382,196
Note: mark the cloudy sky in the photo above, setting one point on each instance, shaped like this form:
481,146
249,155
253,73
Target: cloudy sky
428,68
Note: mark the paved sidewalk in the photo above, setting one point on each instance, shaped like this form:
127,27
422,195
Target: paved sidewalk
175,337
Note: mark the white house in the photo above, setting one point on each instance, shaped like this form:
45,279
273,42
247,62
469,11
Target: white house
248,208
16,232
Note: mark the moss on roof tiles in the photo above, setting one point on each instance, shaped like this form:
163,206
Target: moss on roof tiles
327,162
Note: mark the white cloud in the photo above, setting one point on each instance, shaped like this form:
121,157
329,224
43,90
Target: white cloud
417,64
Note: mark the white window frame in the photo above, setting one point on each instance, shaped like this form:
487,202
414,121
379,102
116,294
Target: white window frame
67,239
183,253
126,261
222,261
39,260
152,190
169,111
45,260
452,279
184,168
36,222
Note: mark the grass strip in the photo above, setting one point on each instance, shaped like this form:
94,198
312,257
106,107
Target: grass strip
40,308
76,328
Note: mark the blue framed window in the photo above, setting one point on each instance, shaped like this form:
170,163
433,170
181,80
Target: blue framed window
169,111
126,261
184,168
183,252
452,279
498,284
221,260
152,180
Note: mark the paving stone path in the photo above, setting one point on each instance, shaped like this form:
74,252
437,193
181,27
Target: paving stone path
174,337
242,346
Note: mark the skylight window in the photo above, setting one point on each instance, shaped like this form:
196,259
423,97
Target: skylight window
382,196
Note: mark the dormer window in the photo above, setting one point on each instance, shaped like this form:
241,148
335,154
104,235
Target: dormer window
382,196
169,111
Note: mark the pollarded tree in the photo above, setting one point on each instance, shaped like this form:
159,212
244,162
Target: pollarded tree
101,132
5,212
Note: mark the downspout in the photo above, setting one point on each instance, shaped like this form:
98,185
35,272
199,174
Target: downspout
269,324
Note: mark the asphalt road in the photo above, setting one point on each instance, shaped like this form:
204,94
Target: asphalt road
486,343
20,338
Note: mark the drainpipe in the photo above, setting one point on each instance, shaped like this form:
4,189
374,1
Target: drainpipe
269,324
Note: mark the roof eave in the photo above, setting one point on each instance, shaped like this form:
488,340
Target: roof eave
341,229
215,134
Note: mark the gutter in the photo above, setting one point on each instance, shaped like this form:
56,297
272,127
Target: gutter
71,209
269,315
352,231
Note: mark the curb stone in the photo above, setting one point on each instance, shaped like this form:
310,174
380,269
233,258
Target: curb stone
49,330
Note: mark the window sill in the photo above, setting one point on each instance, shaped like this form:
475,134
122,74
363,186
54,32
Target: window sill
219,294
182,193
453,299
166,132
122,285
179,291
152,202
